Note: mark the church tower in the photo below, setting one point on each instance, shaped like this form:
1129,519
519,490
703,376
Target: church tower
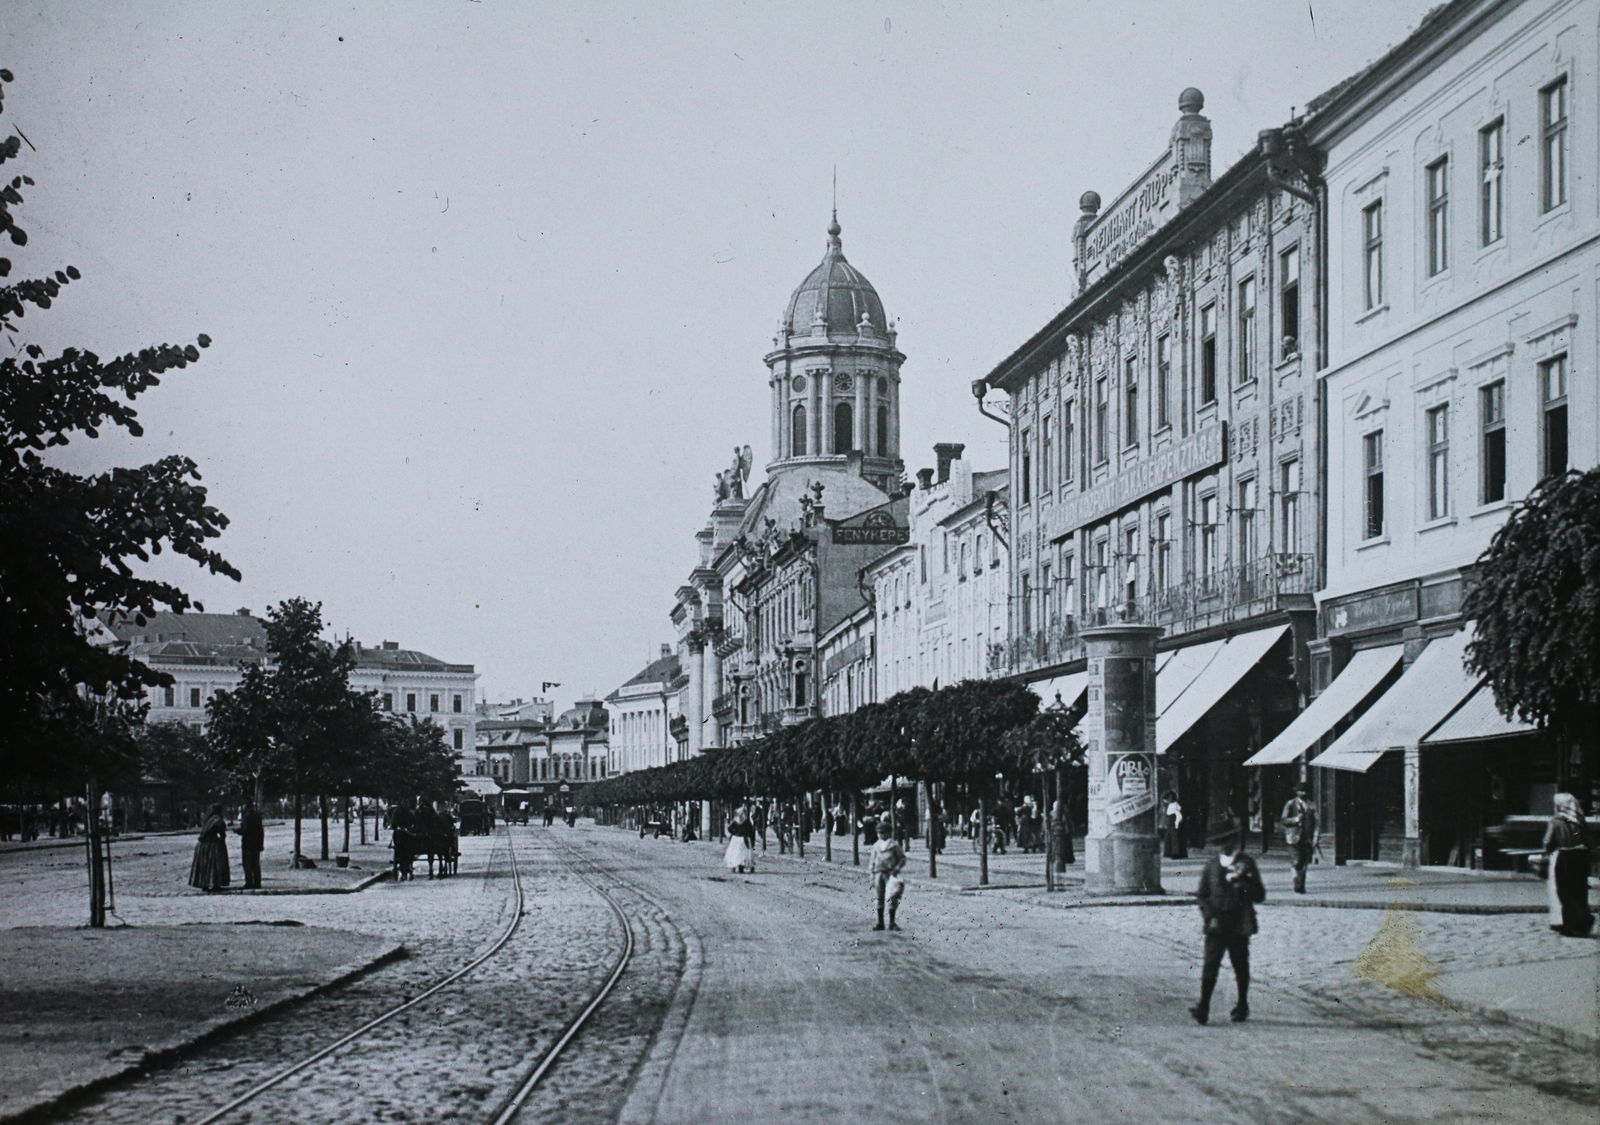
835,377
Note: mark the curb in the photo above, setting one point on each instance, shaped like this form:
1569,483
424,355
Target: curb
370,880
1419,907
650,1081
207,1033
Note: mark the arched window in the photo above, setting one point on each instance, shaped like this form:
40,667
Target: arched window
797,432
844,424
883,431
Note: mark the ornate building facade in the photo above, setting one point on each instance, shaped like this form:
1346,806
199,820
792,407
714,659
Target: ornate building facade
779,563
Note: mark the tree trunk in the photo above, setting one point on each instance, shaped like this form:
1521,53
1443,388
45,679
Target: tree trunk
346,824
983,840
1049,833
322,809
855,830
933,832
297,818
97,871
361,814
827,827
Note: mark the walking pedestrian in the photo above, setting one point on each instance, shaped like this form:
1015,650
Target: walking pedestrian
1566,851
1300,833
741,835
209,870
887,861
1172,827
1230,886
252,838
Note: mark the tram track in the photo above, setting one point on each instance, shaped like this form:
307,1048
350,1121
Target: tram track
539,1067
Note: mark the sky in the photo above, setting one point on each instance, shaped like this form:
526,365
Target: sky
490,283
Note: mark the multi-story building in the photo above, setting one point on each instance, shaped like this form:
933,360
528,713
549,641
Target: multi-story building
941,599
578,746
779,566
642,713
1461,265
208,652
1161,449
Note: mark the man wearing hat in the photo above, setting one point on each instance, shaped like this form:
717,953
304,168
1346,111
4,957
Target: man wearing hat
1230,886
888,859
1300,833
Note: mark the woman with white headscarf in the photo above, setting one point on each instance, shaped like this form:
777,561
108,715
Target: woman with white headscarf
1566,850
740,856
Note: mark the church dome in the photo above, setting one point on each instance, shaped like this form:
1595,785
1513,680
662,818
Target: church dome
834,298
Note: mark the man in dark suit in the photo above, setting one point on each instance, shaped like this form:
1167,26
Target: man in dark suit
252,838
1230,886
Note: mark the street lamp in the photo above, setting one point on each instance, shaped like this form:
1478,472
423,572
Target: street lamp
980,388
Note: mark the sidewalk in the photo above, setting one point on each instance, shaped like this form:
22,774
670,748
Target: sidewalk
80,1009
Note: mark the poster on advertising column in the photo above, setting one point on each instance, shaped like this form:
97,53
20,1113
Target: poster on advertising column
1130,785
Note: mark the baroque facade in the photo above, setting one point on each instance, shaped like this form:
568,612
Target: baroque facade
1162,448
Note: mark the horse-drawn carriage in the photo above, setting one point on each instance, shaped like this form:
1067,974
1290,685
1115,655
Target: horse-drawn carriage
475,818
424,832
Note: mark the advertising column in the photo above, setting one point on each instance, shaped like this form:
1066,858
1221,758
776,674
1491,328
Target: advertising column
1122,850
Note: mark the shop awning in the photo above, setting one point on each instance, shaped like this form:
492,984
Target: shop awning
1226,667
482,786
1424,694
1476,719
1069,688
1365,671
1177,669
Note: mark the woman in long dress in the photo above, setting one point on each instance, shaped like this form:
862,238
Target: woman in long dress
1566,848
209,871
741,832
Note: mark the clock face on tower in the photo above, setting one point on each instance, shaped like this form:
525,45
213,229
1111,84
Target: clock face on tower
842,382
797,384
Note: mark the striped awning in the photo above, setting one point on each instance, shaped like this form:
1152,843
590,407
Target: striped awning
1365,672
1419,701
1477,718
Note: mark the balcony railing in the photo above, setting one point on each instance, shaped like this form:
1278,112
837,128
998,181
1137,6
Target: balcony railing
1232,593
725,703
1228,595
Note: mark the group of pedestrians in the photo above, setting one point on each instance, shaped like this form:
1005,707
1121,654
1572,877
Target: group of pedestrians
209,869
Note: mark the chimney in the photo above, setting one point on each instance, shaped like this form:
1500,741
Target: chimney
243,611
924,479
946,452
666,651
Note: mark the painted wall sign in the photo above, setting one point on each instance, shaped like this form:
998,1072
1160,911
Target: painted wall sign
1135,215
1192,455
1395,605
875,527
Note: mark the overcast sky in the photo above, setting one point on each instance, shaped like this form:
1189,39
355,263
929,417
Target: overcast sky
490,282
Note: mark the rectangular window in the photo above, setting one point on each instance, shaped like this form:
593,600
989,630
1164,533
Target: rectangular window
1102,419
1163,382
1372,255
1130,570
1068,432
1289,302
1491,182
1492,415
977,556
388,701
1047,452
1208,561
1438,427
1026,594
1553,151
922,562
1553,389
1163,574
457,734
1045,608
1289,497
1372,461
1069,589
433,702
1208,354
1130,401
1027,468
1248,544
411,701
944,539
1247,329
194,697
169,697
1438,176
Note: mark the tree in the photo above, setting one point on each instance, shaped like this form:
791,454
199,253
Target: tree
291,724
68,543
414,761
1536,601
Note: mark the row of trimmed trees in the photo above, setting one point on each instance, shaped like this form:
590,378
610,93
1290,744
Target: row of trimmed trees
970,733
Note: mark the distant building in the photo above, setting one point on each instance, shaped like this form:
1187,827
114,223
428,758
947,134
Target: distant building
642,713
779,567
207,652
579,747
941,599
